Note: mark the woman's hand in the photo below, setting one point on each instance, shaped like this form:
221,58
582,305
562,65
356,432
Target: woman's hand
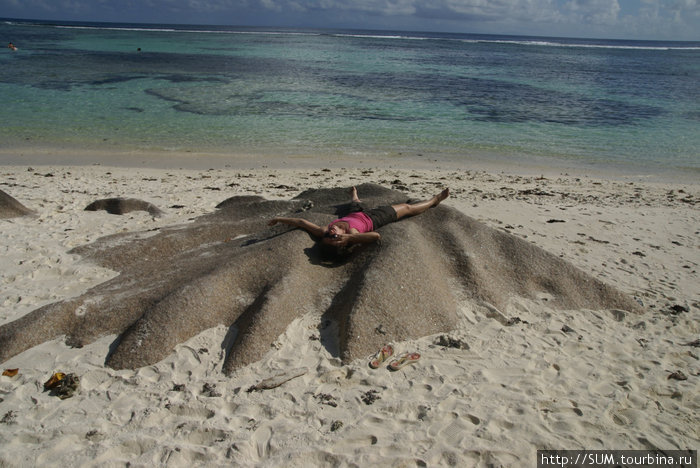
341,240
354,238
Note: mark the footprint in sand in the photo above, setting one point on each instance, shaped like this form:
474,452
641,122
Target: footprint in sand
628,417
206,436
198,412
261,441
452,429
357,439
454,433
473,419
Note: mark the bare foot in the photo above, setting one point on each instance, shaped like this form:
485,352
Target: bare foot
441,196
353,194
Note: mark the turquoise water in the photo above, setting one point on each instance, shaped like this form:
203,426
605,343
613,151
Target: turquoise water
288,92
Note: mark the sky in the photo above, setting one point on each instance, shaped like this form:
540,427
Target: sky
609,19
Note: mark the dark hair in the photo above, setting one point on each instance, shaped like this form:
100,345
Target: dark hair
334,254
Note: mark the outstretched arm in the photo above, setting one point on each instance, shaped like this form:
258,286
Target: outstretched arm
307,226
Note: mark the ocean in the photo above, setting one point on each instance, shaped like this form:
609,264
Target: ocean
632,105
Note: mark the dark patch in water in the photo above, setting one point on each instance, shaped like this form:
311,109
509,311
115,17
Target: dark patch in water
504,102
692,116
370,96
258,103
192,79
47,69
115,79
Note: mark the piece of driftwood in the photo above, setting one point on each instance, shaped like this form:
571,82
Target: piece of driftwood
277,380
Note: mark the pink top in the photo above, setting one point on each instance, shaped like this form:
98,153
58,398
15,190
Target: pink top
357,220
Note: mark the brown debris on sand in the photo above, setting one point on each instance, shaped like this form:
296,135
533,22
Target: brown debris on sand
231,268
11,208
278,379
119,206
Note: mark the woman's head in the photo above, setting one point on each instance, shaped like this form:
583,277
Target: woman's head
329,239
336,229
329,248
332,252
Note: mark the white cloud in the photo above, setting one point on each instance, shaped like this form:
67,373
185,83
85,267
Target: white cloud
383,7
272,5
665,19
485,10
685,8
593,11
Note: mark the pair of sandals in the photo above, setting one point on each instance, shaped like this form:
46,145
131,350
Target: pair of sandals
401,361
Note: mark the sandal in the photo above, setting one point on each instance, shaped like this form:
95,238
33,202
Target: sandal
404,360
382,355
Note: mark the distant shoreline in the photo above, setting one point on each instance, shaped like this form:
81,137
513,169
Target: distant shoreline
486,162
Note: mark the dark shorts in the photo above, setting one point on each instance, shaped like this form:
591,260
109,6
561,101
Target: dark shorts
380,216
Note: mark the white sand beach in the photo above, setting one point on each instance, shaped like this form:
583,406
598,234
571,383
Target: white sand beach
540,379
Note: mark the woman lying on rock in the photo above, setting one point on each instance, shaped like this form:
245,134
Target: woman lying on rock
360,225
